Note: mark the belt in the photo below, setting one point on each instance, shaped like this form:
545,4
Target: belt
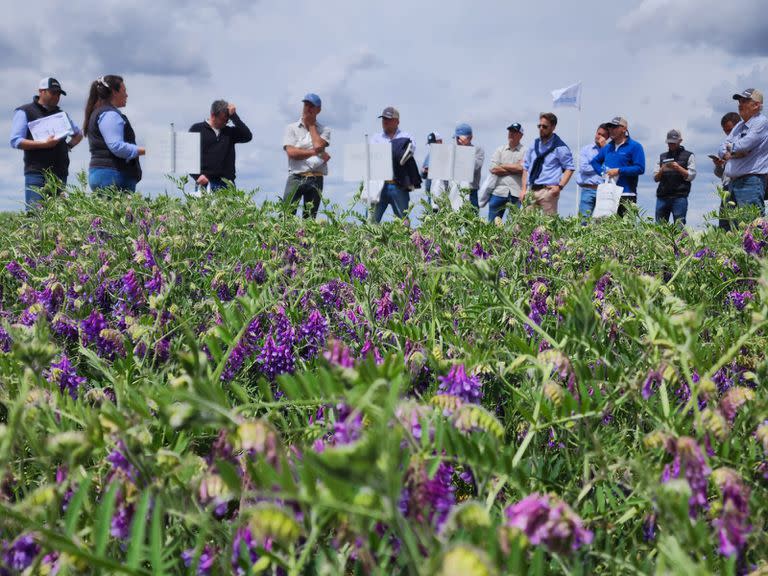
541,186
390,181
747,176
590,186
310,174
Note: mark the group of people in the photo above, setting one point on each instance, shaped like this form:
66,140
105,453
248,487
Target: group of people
540,170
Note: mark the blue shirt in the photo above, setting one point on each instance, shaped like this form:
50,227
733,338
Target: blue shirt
382,138
587,173
629,158
750,137
554,164
19,128
112,128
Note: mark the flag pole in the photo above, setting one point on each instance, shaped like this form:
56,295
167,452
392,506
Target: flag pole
578,156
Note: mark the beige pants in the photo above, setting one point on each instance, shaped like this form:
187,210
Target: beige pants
546,199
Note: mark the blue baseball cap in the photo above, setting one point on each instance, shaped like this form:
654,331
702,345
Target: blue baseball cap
463,129
313,99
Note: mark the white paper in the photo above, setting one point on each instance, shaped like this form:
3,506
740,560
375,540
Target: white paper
355,162
56,125
441,168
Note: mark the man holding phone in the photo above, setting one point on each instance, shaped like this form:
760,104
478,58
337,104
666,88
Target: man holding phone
675,170
217,145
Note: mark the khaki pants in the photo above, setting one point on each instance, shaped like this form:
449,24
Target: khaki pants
546,199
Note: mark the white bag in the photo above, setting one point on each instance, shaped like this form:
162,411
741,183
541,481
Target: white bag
371,192
607,199
486,189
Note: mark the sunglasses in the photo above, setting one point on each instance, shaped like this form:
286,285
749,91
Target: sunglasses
545,126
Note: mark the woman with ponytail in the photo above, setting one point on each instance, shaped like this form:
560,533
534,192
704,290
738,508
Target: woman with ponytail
111,139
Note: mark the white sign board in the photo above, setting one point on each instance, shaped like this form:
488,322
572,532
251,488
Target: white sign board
56,125
451,162
355,161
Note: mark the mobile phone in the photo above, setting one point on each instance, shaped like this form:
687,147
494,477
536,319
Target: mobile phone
714,157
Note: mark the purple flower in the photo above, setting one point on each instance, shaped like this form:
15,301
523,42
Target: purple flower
601,286
64,327
207,558
738,299
15,269
458,383
430,249
428,500
121,465
5,340
21,554
359,272
688,457
752,246
704,253
478,252
242,350
244,553
733,523
275,359
132,287
539,244
335,294
143,254
652,382
369,348
313,333
154,284
91,327
339,355
538,305
256,274
64,374
346,259
384,305
549,521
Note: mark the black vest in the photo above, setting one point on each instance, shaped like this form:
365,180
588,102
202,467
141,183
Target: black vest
56,158
672,184
101,156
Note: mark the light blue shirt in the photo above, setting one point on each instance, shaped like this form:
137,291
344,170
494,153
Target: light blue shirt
750,137
587,174
382,138
19,127
112,128
554,165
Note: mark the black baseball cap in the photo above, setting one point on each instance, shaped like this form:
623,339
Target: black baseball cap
51,84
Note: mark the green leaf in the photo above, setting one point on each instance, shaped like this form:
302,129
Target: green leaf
156,538
75,506
104,519
135,554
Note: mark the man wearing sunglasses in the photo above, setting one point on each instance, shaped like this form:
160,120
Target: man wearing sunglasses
622,159
217,145
548,166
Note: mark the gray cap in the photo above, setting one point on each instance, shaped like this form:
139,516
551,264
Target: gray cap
674,137
750,94
390,112
618,121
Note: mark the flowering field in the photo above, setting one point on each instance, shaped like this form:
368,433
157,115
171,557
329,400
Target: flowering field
215,387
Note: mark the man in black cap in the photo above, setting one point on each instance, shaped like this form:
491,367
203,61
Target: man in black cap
674,172
51,154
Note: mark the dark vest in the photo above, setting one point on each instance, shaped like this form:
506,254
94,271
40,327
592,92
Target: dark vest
101,156
672,184
56,158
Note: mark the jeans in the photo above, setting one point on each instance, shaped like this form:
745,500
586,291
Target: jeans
587,202
213,185
473,199
394,195
498,204
678,207
101,178
32,182
308,189
749,191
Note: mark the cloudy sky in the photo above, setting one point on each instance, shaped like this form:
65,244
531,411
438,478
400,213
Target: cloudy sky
662,64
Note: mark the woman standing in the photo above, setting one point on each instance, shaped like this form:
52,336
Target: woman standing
111,139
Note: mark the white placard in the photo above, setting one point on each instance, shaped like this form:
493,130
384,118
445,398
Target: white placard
56,125
355,162
178,152
450,162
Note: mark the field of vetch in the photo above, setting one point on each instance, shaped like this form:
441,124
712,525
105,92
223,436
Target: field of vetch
211,386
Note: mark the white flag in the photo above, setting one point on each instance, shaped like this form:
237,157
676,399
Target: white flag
568,96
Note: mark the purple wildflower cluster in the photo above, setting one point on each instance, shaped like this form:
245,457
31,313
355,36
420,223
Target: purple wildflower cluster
20,554
385,307
755,237
689,460
539,245
547,520
733,522
430,249
739,300
479,252
428,500
458,383
347,426
652,382
538,305
64,375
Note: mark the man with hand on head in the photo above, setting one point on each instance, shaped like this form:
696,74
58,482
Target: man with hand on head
217,145
507,168
548,166
622,159
745,151
674,172
305,143
51,154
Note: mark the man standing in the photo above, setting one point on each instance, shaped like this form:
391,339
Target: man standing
727,122
305,142
745,151
507,167
623,159
589,179
432,138
51,154
395,193
674,172
217,145
548,166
